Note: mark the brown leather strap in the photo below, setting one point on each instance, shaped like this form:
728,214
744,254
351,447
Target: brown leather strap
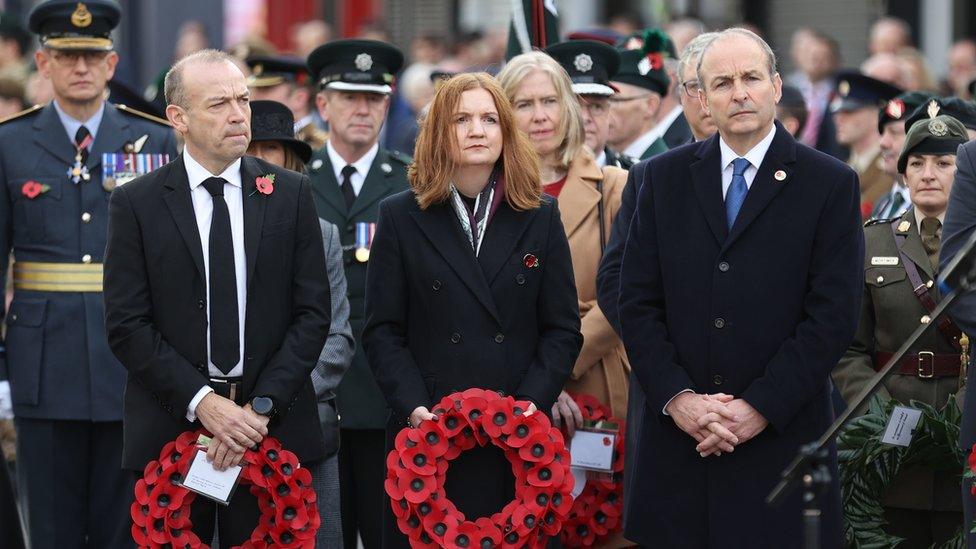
946,327
922,364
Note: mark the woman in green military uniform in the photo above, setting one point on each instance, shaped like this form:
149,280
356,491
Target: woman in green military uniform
901,254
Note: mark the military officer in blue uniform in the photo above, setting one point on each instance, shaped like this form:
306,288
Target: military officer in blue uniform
65,383
350,176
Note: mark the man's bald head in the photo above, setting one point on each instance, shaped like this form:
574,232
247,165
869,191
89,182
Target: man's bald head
174,87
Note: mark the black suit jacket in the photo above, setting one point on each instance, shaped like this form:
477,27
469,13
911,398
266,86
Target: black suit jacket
762,312
439,319
156,316
678,133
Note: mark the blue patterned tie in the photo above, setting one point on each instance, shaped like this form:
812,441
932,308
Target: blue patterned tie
736,194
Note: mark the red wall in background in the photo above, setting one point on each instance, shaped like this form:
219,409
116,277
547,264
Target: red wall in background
353,13
282,16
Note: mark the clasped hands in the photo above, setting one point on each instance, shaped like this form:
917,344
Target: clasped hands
719,422
235,429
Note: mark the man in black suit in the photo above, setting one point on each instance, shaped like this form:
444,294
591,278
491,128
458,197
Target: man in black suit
216,295
733,344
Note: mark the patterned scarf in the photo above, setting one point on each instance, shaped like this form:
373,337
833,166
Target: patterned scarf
475,222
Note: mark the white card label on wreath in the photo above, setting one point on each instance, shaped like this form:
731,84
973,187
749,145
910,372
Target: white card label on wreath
592,450
901,426
203,479
580,476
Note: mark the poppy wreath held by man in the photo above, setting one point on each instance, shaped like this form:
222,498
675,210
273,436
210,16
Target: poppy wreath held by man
417,468
597,510
289,514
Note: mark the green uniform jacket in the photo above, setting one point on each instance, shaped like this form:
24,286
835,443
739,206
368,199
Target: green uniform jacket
656,148
890,312
360,403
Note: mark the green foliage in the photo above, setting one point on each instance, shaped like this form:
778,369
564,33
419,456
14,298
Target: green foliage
867,466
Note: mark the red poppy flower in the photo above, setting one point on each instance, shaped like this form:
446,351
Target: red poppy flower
539,449
32,189
972,459
499,417
433,436
472,409
462,535
265,183
489,535
164,498
530,261
140,535
415,488
561,503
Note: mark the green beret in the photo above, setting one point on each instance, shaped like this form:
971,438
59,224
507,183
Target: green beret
642,60
938,135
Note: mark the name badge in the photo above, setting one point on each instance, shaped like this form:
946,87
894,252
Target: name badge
884,261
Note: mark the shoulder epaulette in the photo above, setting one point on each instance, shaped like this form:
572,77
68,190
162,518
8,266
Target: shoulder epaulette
400,157
880,221
21,114
129,110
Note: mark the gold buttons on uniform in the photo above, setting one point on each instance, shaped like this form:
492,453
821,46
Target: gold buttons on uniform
86,217
86,258
929,284
925,319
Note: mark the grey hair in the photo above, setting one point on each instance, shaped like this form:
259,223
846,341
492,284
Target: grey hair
693,50
738,31
173,89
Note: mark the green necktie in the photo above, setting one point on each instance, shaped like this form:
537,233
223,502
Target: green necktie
931,235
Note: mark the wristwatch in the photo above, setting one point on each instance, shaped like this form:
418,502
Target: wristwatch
263,405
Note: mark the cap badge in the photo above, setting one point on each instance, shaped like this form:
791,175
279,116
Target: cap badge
938,128
81,17
258,69
583,62
896,108
364,62
844,88
933,109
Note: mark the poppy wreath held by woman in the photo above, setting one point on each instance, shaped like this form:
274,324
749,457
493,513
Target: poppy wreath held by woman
597,510
417,468
289,515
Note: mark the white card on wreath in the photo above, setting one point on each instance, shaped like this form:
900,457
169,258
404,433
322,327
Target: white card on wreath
592,450
203,479
901,426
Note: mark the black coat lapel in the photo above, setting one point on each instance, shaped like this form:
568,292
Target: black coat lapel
324,185
376,186
255,205
780,156
442,228
501,237
50,135
177,197
706,176
111,136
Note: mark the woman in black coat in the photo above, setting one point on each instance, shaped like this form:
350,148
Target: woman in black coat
470,282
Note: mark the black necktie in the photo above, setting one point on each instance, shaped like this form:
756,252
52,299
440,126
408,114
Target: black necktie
80,136
224,337
347,191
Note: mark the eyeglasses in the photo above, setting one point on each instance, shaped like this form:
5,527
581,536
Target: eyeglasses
691,88
617,100
69,58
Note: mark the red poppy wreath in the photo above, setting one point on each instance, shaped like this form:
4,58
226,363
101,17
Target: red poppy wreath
597,510
289,515
417,468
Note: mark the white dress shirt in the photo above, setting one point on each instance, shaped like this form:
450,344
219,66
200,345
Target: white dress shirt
203,210
637,148
664,125
362,165
601,159
755,157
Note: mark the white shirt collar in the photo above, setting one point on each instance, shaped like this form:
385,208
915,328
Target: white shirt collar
362,165
637,148
303,121
754,156
197,174
71,125
662,127
601,159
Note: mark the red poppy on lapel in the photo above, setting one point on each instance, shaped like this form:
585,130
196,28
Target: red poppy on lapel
32,189
530,261
265,183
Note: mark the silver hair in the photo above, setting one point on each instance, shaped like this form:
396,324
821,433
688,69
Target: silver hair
770,56
692,52
173,89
